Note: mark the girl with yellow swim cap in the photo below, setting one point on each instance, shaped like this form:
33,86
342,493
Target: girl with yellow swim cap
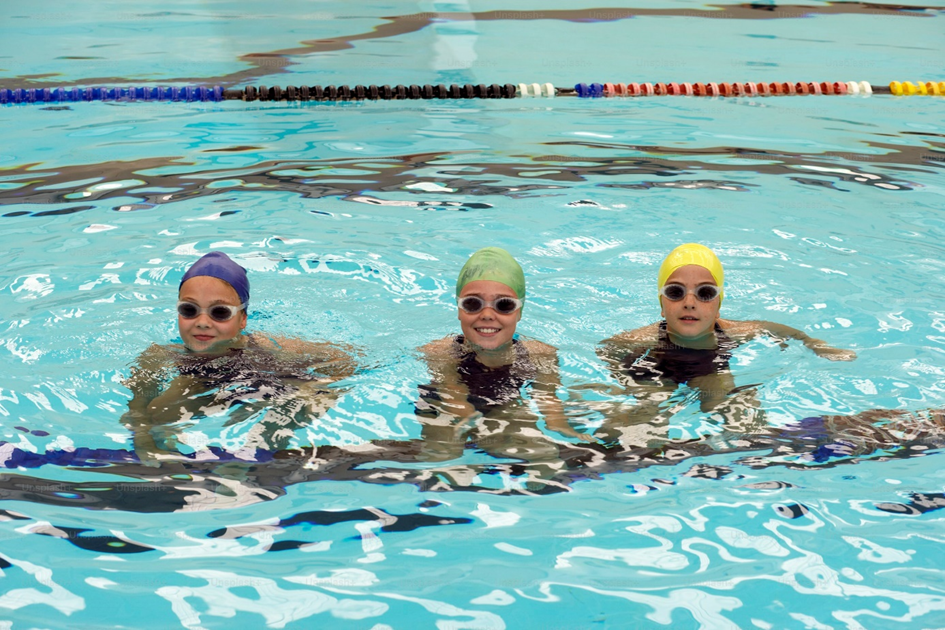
692,344
482,379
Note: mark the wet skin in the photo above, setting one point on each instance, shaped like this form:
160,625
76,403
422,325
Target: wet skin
689,322
488,329
202,333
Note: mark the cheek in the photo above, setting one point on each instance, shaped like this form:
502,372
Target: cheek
232,327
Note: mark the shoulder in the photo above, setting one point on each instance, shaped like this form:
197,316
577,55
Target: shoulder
537,348
152,364
739,327
300,347
157,356
644,336
750,328
439,349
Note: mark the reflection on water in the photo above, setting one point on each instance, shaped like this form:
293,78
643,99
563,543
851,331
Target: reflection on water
367,180
213,478
699,545
280,61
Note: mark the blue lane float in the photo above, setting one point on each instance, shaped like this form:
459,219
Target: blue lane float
75,95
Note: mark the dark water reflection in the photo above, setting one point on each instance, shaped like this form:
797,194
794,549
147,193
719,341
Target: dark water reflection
363,181
214,479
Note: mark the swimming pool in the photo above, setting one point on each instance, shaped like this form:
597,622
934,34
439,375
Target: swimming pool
354,218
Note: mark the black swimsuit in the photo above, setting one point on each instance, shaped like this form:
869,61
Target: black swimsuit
494,387
244,374
667,361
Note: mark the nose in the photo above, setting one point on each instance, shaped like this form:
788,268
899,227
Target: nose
203,321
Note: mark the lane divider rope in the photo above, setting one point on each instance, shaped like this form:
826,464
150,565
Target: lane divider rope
468,91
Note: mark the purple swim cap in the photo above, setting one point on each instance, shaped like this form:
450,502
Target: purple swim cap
218,265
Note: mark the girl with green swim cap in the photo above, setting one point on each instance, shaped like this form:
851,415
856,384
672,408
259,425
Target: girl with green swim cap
480,378
692,345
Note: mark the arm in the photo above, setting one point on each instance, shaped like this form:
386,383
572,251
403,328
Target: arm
446,393
330,361
443,408
780,332
545,390
613,349
148,384
145,381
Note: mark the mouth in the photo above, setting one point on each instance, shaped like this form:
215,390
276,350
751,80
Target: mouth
203,337
688,318
486,332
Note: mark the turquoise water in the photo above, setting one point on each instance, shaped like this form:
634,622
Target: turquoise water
354,219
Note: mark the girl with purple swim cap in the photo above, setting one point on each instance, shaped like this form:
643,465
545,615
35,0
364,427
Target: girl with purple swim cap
279,383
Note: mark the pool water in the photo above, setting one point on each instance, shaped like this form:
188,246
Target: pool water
354,219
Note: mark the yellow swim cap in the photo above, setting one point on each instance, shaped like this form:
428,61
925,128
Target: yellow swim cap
692,254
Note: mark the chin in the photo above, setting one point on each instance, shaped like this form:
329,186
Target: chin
495,344
199,346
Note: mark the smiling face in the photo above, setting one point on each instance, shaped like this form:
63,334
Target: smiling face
488,329
689,320
203,334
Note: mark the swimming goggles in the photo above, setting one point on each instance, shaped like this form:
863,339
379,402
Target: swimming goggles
217,312
677,292
501,305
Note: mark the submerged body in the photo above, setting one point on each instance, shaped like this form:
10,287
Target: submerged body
690,348
469,403
489,388
220,370
280,387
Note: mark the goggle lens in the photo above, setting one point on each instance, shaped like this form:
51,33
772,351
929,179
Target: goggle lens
674,292
188,310
707,292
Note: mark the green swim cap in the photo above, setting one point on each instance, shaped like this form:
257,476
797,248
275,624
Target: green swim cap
493,263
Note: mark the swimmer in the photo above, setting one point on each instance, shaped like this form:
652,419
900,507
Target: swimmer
220,368
484,379
692,345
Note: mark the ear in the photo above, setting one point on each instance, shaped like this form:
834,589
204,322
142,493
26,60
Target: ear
243,319
662,313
